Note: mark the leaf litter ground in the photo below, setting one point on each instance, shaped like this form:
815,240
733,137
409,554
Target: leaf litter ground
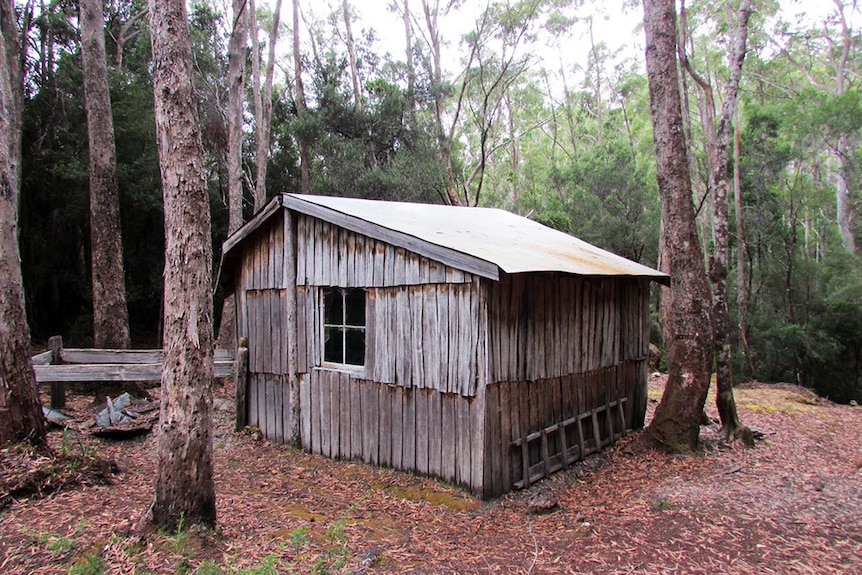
793,504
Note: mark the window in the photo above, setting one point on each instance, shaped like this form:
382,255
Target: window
343,326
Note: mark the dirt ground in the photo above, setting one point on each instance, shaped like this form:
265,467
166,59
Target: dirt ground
793,504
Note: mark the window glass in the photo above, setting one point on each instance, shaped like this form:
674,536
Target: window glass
355,304
333,344
355,346
333,307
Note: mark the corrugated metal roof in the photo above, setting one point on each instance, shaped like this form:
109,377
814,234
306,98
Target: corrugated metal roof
513,243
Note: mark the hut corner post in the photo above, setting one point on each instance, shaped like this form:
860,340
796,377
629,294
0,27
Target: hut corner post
241,385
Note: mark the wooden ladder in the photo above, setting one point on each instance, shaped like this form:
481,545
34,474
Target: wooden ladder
552,462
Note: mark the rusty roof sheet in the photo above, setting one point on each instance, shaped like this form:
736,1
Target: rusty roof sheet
513,243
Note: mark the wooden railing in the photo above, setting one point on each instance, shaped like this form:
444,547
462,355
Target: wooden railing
59,365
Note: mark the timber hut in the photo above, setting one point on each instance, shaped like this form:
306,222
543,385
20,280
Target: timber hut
468,344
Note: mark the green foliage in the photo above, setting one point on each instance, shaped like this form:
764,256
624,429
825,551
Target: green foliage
88,564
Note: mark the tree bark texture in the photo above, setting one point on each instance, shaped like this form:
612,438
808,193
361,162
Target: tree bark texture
20,411
720,262
259,192
304,148
110,314
717,134
236,95
263,107
686,323
184,477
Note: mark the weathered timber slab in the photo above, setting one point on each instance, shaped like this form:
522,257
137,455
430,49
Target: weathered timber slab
126,356
114,371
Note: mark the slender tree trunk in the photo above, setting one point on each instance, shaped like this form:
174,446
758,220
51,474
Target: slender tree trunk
304,148
110,314
741,242
184,477
351,52
259,192
686,326
20,411
844,208
263,110
236,97
444,143
720,264
411,69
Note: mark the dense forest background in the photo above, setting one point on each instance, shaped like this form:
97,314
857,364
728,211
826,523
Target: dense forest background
510,124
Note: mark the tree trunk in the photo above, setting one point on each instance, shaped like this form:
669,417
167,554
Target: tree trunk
351,53
411,70
444,143
20,411
263,107
304,151
184,477
844,207
741,283
236,97
686,327
720,263
110,314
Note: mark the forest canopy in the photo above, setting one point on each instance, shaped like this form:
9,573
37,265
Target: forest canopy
498,116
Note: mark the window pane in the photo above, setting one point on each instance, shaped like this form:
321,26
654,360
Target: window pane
333,307
355,307
333,344
355,347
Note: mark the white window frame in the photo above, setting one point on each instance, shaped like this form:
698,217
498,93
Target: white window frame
344,326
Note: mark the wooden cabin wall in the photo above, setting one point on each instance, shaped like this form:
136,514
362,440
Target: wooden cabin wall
420,336
262,318
561,346
550,325
328,255
416,405
420,430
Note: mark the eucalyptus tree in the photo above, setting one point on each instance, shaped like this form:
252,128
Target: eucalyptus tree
184,489
262,96
828,59
686,319
717,131
20,411
110,313
237,49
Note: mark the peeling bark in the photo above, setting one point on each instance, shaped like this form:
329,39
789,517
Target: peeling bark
686,327
20,412
184,487
110,313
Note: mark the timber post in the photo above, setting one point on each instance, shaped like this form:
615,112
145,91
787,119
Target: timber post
241,385
58,388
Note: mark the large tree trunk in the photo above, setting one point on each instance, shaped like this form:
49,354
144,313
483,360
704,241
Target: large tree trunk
235,99
717,136
110,314
20,412
304,148
686,324
184,476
